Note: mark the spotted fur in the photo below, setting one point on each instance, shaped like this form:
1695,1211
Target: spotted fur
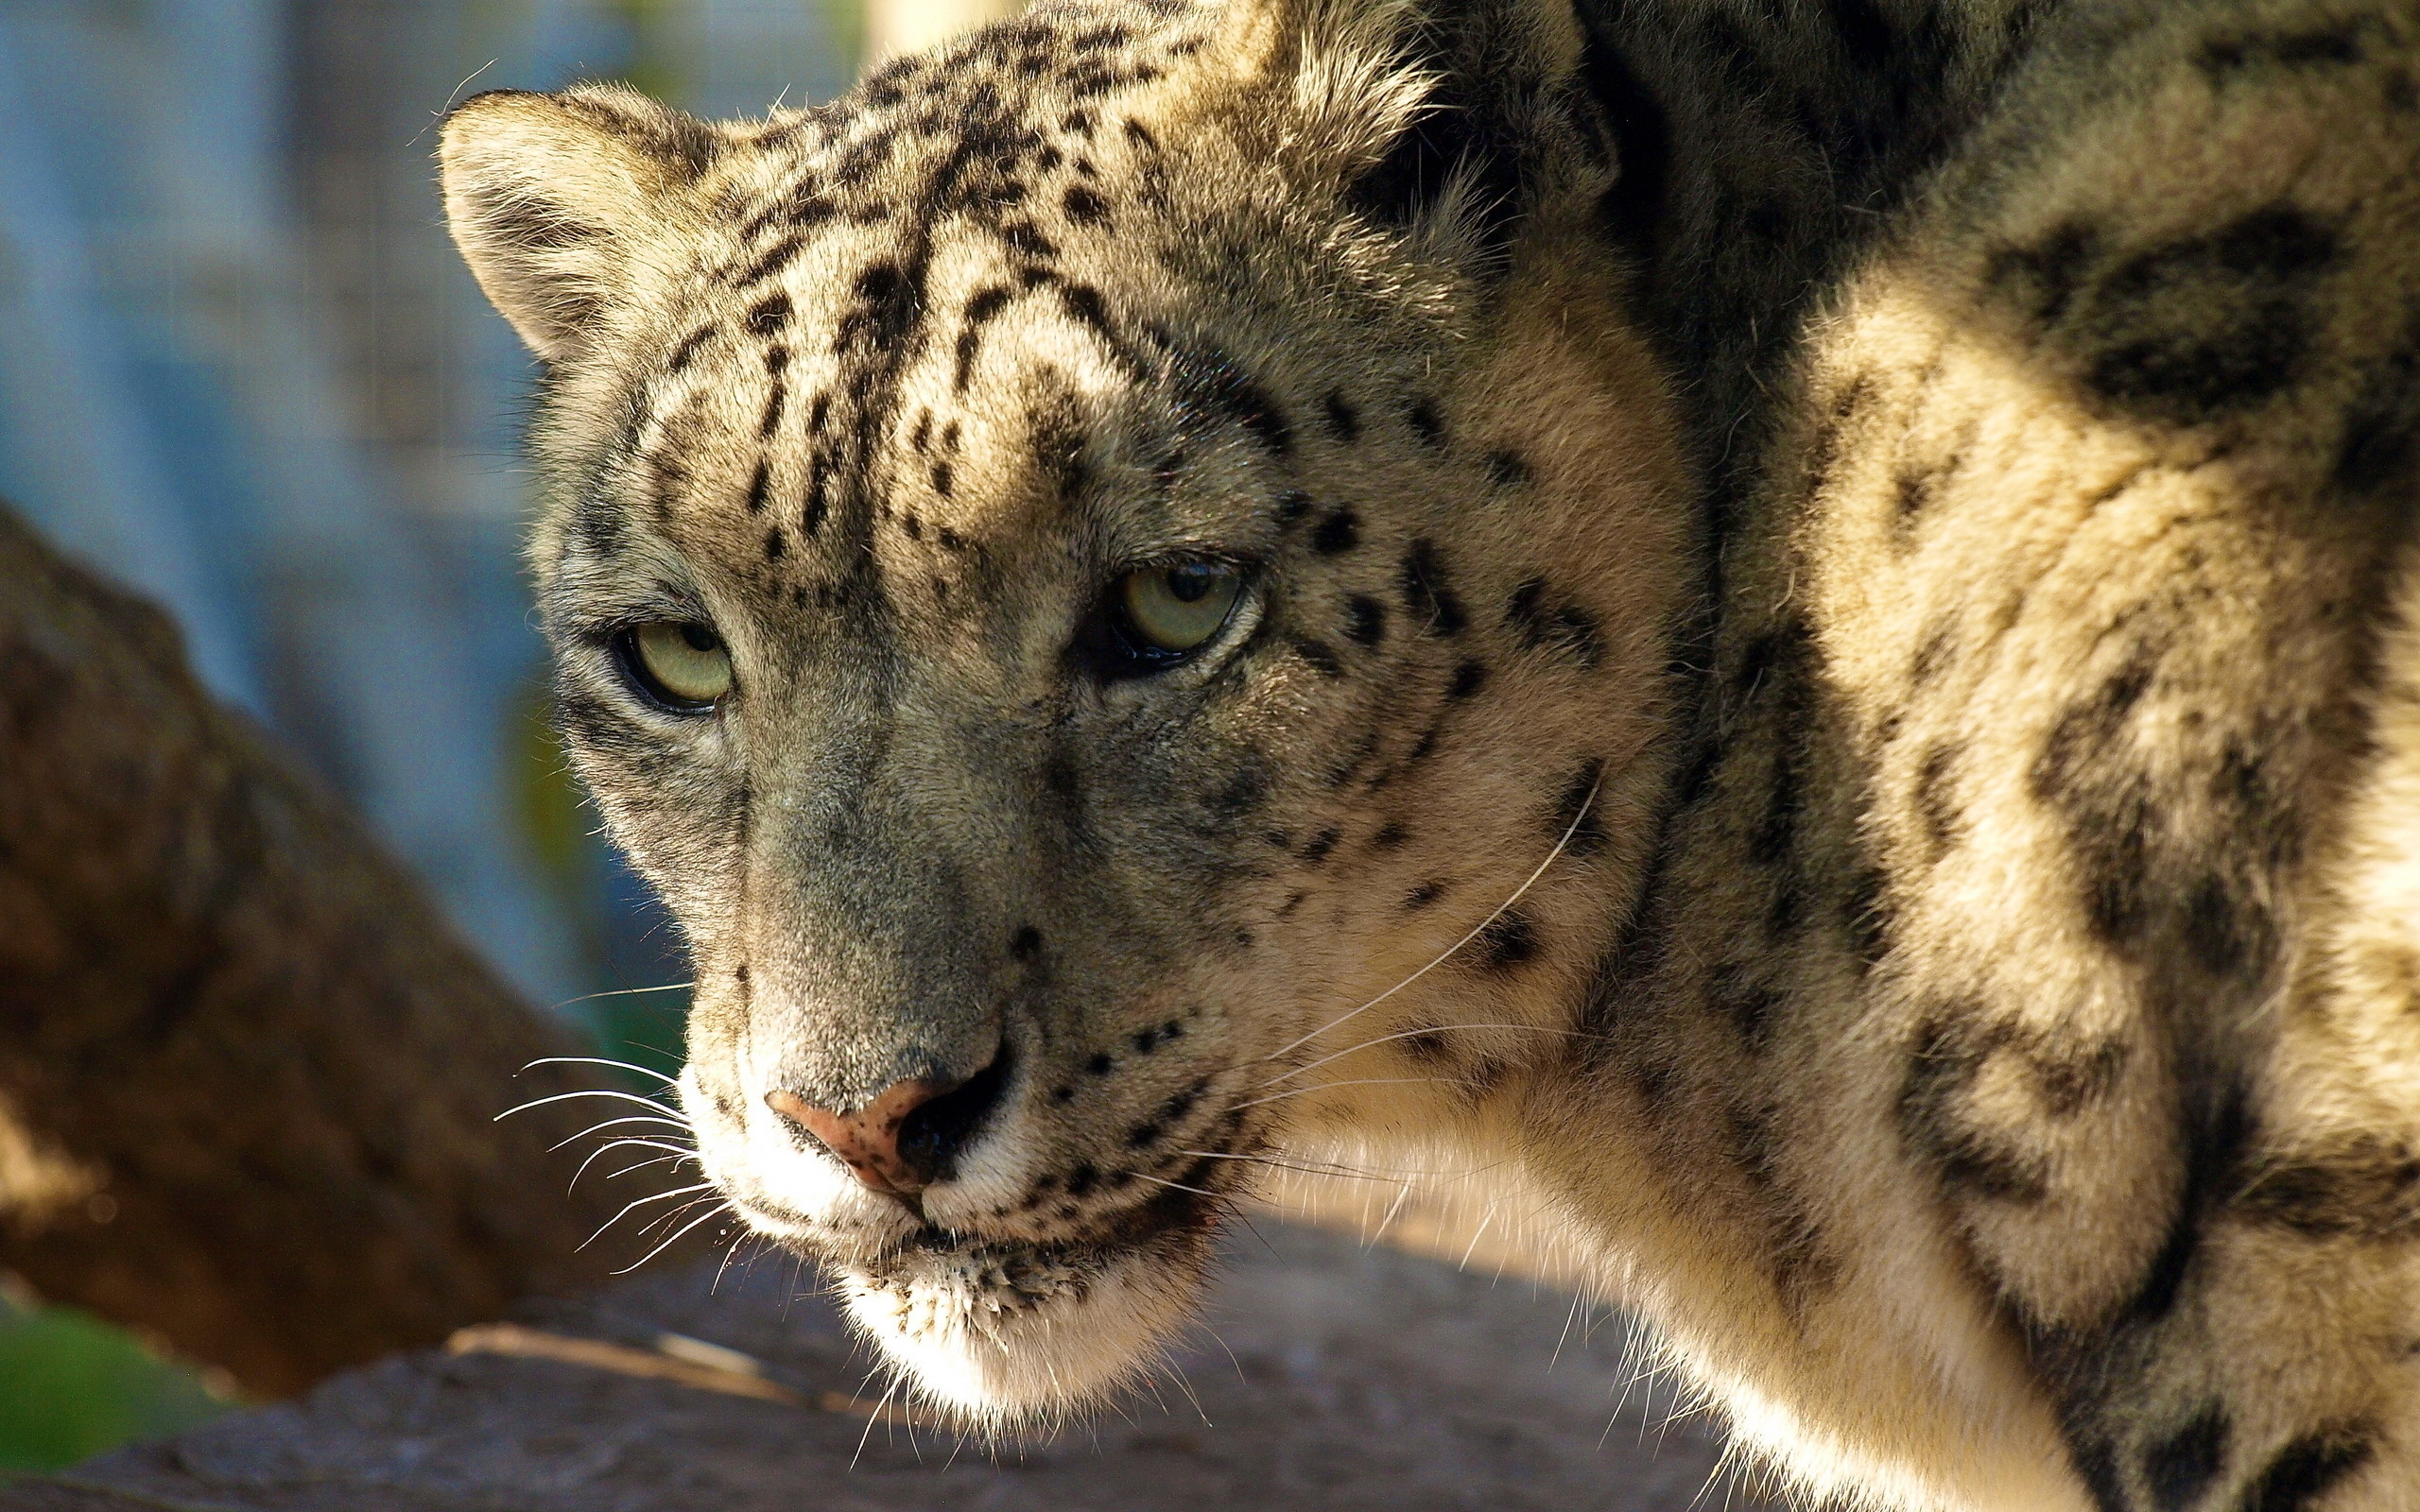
1828,686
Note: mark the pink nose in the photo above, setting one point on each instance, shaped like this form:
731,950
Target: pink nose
866,1141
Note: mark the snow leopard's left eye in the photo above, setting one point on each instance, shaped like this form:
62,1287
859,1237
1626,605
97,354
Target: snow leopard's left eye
681,666
1171,610
1156,617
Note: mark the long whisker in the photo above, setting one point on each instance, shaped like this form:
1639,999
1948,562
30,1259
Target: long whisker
730,1253
593,1092
616,1123
1577,819
1216,1196
612,1145
880,1408
1413,1033
673,1158
656,1196
601,1060
1336,1171
1327,1086
672,1215
717,1210
624,992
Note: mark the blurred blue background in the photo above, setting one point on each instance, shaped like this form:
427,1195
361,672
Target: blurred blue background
242,371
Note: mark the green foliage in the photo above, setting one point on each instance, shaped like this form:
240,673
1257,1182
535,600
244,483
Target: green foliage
72,1386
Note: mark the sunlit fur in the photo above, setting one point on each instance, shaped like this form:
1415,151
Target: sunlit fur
1825,700
1170,296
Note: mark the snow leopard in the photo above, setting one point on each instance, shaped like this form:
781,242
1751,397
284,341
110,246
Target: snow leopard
1785,626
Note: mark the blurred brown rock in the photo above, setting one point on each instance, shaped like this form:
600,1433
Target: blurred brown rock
248,1076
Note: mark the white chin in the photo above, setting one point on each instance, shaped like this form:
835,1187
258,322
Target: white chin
1002,1336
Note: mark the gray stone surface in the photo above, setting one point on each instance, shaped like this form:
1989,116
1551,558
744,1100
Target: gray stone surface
1328,1375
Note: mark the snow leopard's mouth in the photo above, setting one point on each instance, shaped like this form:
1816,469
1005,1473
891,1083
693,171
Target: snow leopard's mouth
1004,1330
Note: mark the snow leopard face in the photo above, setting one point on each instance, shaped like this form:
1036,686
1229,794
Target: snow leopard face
1078,569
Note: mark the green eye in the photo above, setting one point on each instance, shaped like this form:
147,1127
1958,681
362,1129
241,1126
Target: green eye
1170,610
681,665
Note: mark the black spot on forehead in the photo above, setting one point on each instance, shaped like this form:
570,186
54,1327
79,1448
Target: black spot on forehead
686,352
980,309
984,304
819,501
1025,237
886,310
808,209
771,261
768,315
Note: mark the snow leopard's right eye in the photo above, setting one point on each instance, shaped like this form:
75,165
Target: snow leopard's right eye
680,667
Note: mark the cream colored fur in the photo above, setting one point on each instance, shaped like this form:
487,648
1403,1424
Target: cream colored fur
1828,684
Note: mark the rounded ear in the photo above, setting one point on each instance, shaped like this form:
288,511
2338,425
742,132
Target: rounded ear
1447,120
546,195
1501,128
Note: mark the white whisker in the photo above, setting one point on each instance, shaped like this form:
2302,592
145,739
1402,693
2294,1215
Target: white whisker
717,1209
1413,1033
1480,928
611,1146
880,1411
1178,1185
601,1060
624,992
670,1216
657,1196
1326,1086
614,1122
593,1092
1336,1171
674,1159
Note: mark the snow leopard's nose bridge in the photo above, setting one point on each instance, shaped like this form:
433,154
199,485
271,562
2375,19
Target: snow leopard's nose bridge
910,1135
865,963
